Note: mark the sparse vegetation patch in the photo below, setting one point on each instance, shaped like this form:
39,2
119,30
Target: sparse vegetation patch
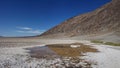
97,41
111,43
106,43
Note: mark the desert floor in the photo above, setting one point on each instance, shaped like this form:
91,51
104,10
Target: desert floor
56,53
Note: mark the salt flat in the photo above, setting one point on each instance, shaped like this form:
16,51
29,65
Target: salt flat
17,57
108,57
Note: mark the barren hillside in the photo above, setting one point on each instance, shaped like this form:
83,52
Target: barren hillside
103,20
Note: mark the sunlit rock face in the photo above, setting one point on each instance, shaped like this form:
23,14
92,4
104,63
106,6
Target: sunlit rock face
100,21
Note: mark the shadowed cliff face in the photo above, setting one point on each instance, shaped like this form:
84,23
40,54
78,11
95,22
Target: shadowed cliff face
103,20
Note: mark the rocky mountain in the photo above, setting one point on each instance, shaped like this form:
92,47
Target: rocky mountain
103,20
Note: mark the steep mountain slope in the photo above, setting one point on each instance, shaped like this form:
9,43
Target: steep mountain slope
101,21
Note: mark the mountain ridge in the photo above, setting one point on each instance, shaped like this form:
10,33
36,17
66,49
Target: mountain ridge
105,19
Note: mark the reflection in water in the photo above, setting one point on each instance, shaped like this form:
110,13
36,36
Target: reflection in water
63,50
42,52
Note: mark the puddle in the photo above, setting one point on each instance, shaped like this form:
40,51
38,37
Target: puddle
42,52
60,50
69,54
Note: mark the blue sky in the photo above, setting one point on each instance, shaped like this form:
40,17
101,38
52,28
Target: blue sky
32,17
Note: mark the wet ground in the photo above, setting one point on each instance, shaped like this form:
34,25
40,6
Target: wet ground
71,50
70,56
60,50
42,52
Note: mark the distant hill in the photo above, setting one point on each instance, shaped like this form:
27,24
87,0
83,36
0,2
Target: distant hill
1,36
103,21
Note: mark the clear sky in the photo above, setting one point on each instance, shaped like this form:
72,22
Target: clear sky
32,17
